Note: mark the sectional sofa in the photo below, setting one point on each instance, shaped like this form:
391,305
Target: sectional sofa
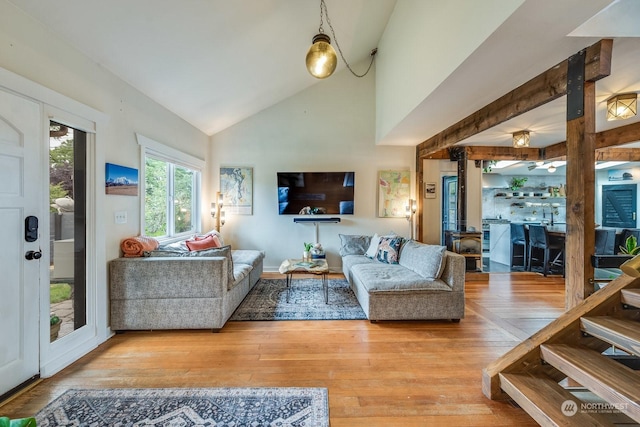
179,289
394,279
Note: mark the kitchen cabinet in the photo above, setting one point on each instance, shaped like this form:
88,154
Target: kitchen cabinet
500,243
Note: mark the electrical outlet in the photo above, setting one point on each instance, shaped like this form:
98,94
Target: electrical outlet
121,217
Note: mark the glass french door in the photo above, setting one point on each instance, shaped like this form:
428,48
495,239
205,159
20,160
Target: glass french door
67,232
449,205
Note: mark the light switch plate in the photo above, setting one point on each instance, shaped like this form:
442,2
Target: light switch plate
121,217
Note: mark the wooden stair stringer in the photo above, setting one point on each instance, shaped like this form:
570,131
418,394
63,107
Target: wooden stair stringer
526,357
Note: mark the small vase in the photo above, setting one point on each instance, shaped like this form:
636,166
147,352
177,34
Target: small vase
305,255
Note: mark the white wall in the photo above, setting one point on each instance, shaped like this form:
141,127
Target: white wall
30,50
329,127
411,63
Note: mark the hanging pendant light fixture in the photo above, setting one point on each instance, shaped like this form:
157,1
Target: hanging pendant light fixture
622,106
521,139
321,58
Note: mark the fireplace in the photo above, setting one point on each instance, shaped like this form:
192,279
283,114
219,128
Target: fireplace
467,244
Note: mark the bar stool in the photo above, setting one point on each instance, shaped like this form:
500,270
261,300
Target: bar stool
539,240
519,238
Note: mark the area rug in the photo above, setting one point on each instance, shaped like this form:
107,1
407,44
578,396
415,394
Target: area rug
268,301
213,407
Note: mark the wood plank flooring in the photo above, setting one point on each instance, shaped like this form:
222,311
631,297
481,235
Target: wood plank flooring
385,374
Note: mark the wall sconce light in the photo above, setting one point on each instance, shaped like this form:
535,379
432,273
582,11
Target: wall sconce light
622,106
217,212
321,58
411,207
521,139
551,169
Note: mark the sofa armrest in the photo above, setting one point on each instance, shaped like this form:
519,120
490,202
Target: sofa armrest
168,277
454,270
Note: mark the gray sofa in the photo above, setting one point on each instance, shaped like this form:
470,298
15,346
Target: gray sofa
174,291
427,282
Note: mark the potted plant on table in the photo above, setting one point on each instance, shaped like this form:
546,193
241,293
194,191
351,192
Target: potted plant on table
307,251
54,322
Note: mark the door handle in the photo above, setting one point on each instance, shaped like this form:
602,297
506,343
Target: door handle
633,216
30,255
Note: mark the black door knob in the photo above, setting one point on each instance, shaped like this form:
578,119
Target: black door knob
33,255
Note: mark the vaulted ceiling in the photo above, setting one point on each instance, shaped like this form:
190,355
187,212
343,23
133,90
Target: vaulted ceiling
217,62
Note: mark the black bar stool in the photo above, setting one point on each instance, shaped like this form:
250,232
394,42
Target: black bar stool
539,240
519,245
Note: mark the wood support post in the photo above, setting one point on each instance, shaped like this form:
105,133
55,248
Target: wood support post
580,240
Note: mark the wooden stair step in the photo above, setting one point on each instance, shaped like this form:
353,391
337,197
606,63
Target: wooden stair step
621,333
631,297
542,398
612,381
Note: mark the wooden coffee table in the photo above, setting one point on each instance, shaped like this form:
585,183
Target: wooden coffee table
317,266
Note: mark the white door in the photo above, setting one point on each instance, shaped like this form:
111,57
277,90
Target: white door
20,192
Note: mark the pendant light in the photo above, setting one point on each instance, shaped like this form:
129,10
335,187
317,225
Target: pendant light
321,58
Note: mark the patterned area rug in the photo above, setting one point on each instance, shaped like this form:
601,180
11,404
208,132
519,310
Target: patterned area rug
268,301
213,407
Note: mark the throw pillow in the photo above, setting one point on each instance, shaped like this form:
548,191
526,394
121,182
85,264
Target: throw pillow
373,247
426,260
210,233
352,244
205,243
389,249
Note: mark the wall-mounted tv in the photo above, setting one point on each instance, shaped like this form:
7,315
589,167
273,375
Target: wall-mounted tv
321,192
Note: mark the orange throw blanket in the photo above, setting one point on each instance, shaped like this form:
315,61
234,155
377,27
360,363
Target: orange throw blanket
134,247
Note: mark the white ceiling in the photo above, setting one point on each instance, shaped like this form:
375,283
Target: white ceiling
217,62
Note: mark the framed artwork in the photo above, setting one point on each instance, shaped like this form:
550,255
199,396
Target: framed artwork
120,180
236,186
429,190
394,189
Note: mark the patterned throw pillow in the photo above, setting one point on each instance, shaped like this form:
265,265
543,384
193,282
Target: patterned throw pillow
389,249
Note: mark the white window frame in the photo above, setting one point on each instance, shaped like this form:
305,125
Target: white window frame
159,151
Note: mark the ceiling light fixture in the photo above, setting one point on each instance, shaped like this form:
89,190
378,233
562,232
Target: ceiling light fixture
521,139
622,106
321,58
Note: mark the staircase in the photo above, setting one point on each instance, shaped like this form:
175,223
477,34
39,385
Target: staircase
583,369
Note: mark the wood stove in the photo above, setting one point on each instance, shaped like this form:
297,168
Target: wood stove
467,244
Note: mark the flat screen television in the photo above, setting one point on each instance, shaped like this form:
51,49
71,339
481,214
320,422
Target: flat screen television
321,192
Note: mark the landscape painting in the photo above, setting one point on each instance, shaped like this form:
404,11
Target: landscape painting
121,180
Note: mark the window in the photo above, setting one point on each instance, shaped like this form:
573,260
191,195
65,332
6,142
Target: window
171,191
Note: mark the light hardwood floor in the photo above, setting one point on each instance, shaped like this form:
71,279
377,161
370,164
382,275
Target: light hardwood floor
385,374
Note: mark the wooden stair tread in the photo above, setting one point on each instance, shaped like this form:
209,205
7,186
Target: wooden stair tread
631,297
610,380
622,333
542,398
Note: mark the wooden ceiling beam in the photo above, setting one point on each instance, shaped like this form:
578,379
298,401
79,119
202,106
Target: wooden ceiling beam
538,91
618,154
502,153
